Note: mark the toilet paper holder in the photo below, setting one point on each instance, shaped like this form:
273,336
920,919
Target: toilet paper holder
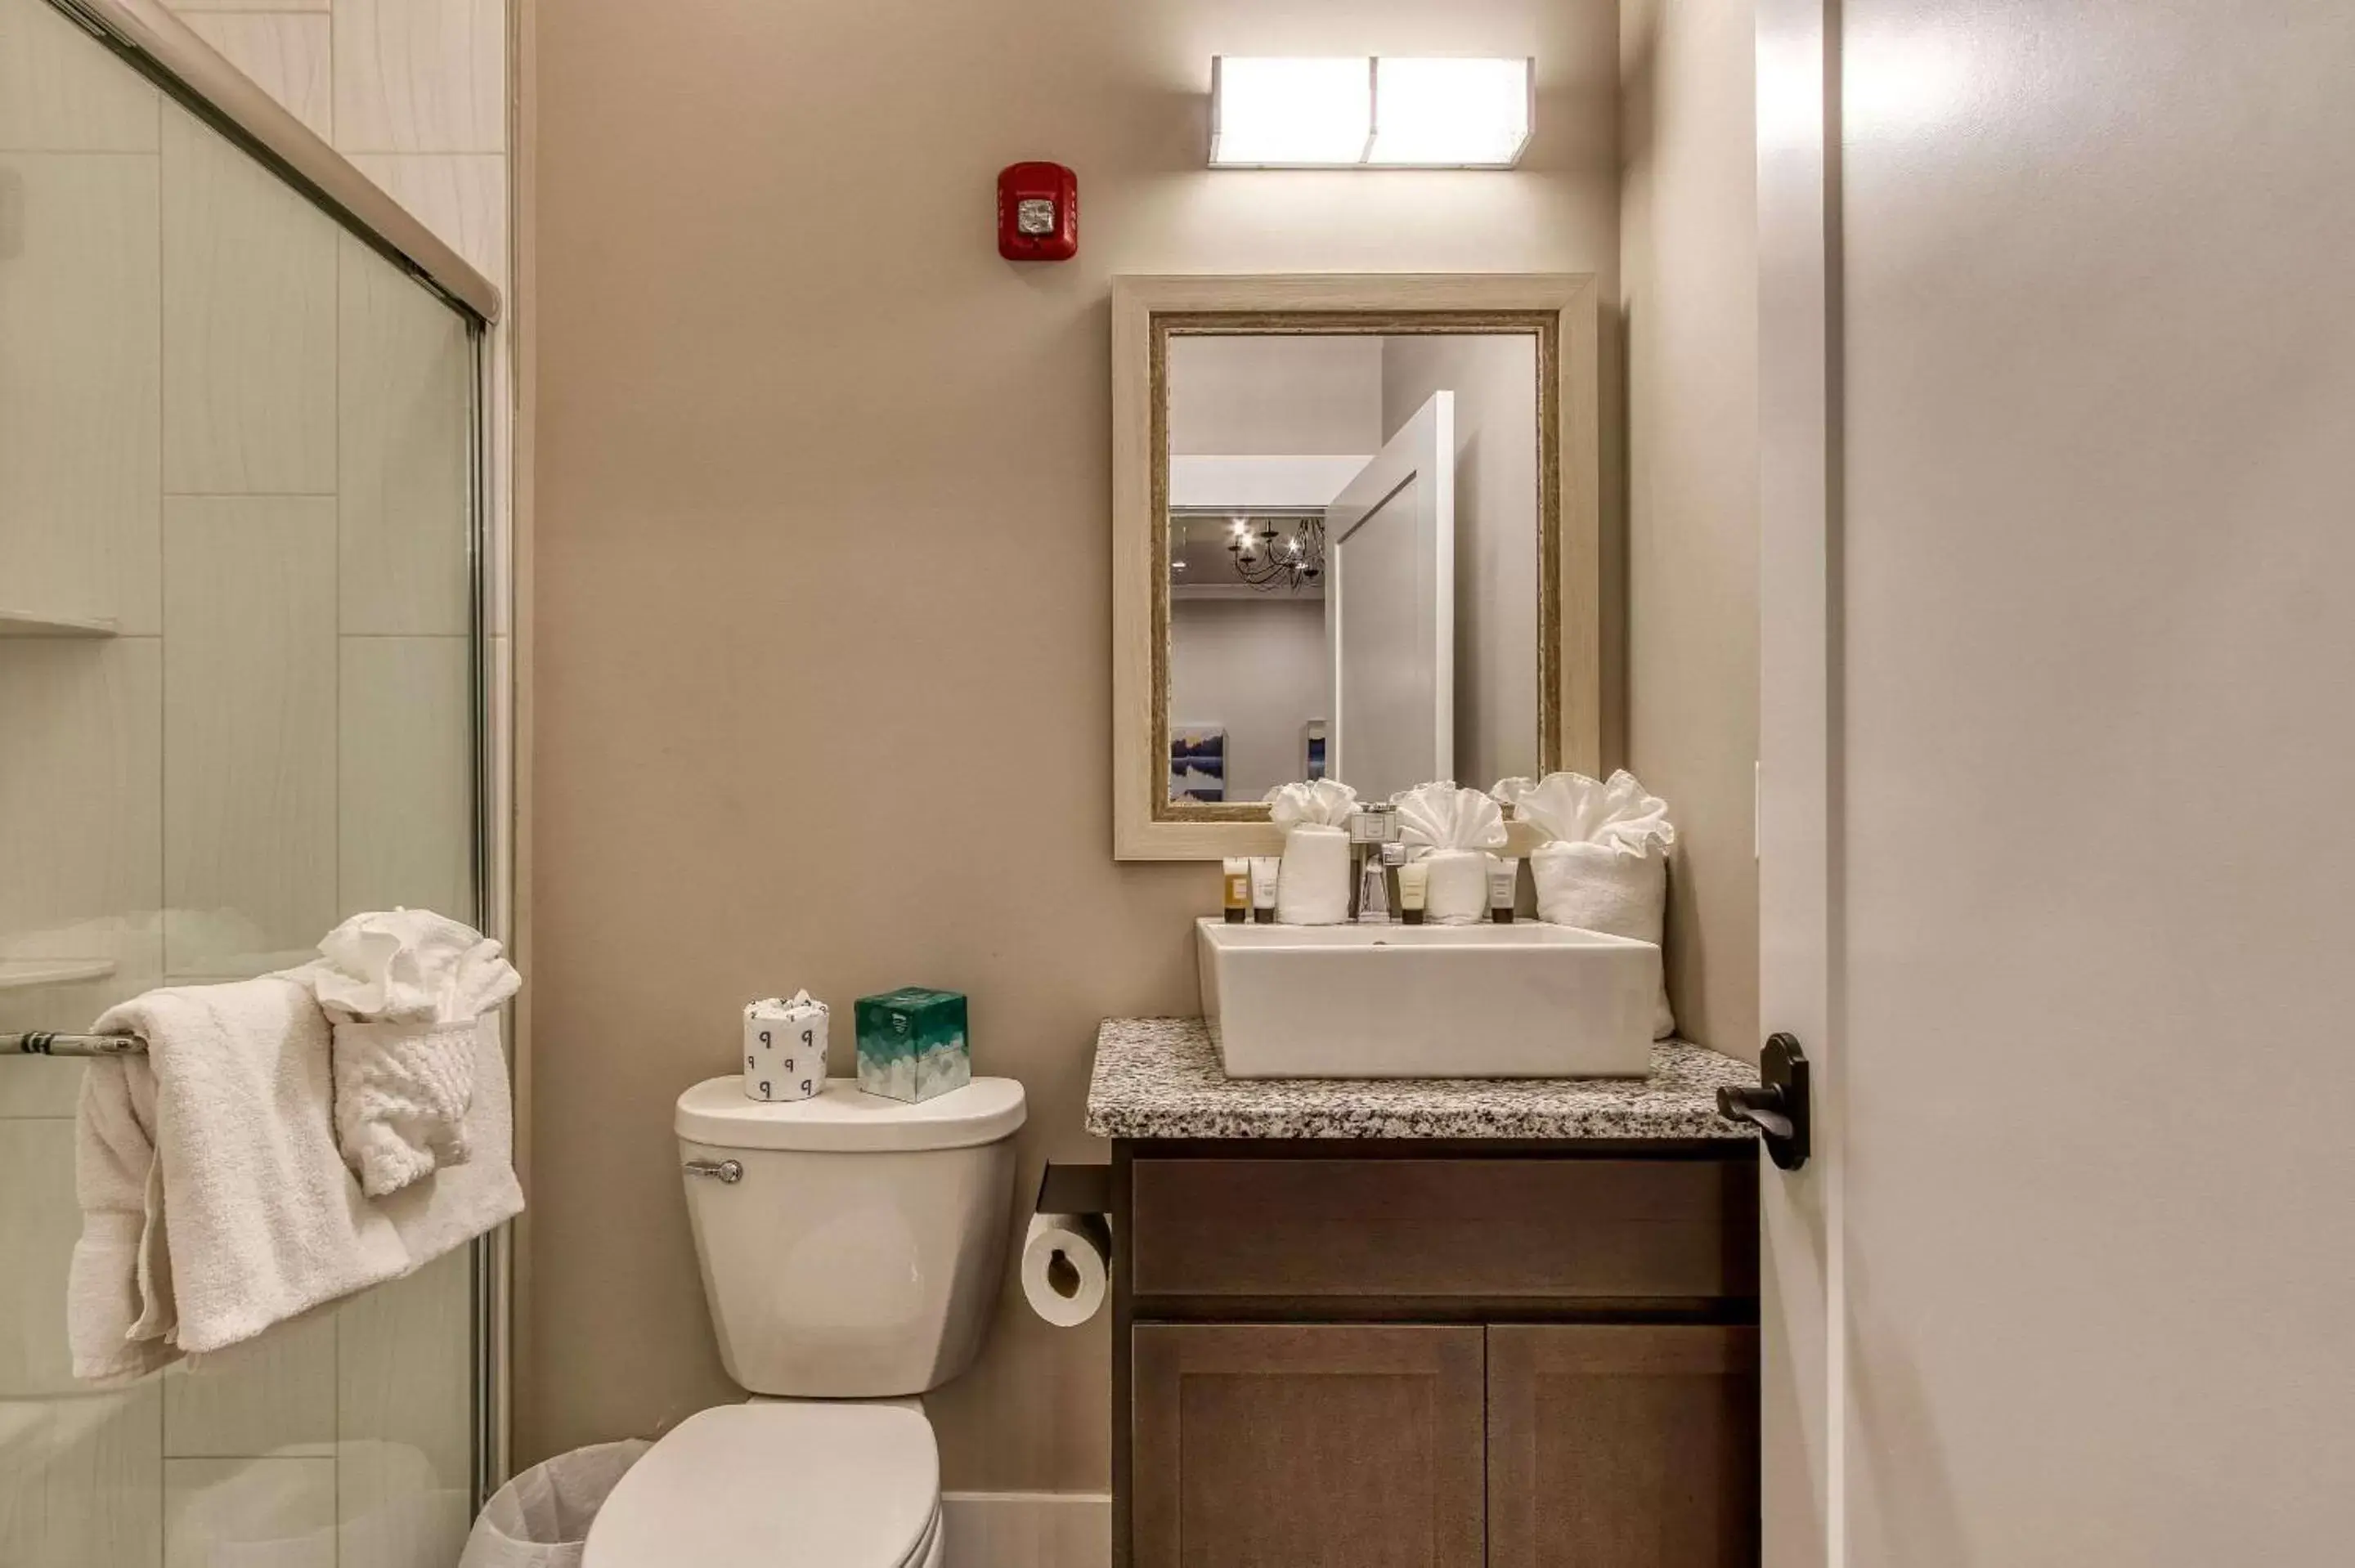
1075,1190
1066,1248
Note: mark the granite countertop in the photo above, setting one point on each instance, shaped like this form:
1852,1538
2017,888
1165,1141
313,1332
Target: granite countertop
1160,1077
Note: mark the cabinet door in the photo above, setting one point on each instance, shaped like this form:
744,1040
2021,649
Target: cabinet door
1267,1446
1620,1447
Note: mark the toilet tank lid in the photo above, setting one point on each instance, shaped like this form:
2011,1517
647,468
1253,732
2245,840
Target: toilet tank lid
845,1119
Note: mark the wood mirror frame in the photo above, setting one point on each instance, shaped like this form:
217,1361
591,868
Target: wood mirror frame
1558,309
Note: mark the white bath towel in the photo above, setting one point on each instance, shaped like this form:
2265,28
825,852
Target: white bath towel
1605,867
215,1202
402,989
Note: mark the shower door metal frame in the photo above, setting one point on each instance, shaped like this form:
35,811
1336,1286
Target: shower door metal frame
162,48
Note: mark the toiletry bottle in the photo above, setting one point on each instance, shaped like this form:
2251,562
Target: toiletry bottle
1413,887
1238,889
1264,868
1504,886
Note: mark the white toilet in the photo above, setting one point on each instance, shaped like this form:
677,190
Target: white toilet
853,1249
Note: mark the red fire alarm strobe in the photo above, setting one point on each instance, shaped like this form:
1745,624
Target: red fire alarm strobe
1038,213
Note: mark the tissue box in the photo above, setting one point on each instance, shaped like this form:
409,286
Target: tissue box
911,1043
784,1048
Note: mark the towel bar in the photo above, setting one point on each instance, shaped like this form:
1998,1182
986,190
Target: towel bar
42,1043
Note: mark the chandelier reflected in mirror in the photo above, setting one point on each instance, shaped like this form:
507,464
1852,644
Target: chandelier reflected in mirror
1267,551
1268,557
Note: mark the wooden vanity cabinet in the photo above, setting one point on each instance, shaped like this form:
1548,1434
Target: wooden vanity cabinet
1404,1356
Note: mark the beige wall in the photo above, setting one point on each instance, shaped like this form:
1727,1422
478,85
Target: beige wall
1688,251
794,409
1281,396
1494,383
1258,666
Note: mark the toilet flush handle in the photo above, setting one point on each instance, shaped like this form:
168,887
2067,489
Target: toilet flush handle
730,1172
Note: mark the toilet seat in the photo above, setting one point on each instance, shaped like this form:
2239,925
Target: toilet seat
779,1484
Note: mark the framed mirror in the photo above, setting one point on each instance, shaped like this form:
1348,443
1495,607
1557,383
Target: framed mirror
1355,535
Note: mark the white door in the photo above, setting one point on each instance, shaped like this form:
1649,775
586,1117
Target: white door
2058,814
1390,611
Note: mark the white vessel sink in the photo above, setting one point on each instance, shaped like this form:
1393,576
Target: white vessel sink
1524,1001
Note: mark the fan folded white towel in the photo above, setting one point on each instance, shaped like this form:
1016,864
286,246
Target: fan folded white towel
1312,881
214,1201
402,989
1454,829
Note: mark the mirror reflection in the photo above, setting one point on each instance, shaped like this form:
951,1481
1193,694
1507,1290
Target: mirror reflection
1353,550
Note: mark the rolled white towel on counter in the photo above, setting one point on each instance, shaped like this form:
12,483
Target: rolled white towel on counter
1607,867
1456,828
1458,889
1312,881
1610,888
1312,884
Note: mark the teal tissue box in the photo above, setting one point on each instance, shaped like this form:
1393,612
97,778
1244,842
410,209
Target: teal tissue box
911,1043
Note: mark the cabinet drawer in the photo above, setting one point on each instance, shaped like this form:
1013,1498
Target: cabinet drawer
1530,1229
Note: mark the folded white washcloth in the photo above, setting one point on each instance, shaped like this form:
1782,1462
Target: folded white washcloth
403,987
1456,828
214,1201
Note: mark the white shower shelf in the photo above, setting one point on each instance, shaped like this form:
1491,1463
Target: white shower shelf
28,623
24,974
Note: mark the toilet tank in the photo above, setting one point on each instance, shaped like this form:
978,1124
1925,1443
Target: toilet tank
852,1246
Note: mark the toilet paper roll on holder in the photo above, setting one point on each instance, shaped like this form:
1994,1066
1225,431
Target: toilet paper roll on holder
1078,1198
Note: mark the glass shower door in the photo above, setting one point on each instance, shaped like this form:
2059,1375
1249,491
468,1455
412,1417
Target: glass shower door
239,671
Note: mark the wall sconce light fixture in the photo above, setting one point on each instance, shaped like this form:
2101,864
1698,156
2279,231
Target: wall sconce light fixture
1378,112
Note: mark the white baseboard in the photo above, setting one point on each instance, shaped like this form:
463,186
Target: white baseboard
1027,1529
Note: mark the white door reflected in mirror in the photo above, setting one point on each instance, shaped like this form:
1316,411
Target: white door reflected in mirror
1389,609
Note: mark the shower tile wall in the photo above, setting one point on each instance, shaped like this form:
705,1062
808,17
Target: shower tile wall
218,418
415,96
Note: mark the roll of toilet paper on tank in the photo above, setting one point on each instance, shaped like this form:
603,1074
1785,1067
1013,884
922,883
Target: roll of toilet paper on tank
784,1048
1066,1267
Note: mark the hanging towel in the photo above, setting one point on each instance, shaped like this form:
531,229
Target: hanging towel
1606,866
1455,830
403,990
215,1202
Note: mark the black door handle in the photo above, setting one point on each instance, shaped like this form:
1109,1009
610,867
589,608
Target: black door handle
1779,1106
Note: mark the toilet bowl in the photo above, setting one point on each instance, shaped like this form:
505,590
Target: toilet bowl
852,1249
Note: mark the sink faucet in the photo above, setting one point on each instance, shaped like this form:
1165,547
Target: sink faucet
1375,903
1373,834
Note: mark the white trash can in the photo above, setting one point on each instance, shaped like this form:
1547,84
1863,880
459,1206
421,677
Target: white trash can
541,1519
